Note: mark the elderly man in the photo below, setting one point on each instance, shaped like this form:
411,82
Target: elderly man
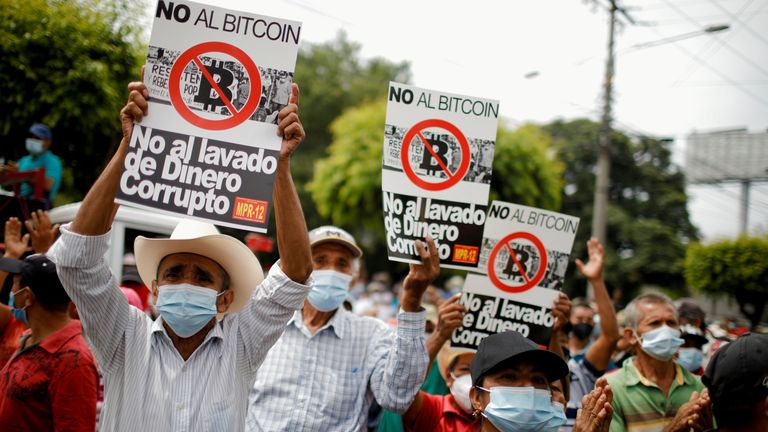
651,392
187,370
329,365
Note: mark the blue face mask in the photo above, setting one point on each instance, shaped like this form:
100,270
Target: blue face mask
661,343
524,409
329,290
690,358
186,308
19,314
34,146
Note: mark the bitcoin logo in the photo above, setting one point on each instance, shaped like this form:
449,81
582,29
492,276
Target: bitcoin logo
517,264
209,97
428,161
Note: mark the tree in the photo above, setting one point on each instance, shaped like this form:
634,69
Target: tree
333,78
732,267
66,63
648,223
346,186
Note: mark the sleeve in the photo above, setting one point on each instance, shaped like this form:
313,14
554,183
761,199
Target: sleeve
264,317
401,359
429,414
74,394
102,307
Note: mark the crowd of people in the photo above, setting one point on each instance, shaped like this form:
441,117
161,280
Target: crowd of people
197,337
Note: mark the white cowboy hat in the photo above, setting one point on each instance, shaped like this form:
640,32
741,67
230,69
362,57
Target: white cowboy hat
203,239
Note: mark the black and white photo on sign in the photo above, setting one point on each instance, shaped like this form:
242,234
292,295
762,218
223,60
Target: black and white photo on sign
528,257
230,76
446,147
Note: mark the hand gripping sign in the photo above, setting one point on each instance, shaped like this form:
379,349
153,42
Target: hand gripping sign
235,117
518,262
431,155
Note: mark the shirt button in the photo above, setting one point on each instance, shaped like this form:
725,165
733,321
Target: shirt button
180,407
184,368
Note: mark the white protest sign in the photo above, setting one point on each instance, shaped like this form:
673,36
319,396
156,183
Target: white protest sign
208,148
524,255
438,158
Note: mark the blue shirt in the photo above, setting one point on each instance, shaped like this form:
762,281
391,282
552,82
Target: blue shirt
52,165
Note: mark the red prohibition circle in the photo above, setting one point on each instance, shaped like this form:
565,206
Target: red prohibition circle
192,55
529,283
452,179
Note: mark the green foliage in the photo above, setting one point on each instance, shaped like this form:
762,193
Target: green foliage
648,224
66,63
346,186
732,267
332,78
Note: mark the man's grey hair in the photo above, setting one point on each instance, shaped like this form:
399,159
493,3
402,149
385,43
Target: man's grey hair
632,313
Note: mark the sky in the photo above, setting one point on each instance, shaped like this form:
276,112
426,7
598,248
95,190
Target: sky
704,82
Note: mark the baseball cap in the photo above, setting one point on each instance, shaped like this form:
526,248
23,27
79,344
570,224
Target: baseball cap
502,347
332,234
688,331
41,131
739,369
39,273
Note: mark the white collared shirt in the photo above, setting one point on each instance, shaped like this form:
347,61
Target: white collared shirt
147,385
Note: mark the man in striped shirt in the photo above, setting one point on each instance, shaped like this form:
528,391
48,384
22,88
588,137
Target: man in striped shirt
329,365
186,370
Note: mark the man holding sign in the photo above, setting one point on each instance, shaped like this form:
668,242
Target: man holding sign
186,370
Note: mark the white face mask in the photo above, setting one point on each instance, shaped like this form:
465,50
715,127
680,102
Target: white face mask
460,391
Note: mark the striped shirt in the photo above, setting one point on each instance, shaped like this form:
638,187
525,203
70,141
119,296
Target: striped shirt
327,381
639,405
147,384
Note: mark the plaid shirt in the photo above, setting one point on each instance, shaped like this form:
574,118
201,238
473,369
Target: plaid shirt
327,381
147,385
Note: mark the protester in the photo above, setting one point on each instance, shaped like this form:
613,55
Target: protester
737,380
187,369
511,385
651,392
586,368
453,412
329,364
50,384
691,353
38,144
41,235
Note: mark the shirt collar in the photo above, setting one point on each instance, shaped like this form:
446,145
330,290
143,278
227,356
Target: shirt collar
216,334
634,376
57,339
339,322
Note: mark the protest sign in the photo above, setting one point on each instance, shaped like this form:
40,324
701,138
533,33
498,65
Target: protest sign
524,256
436,176
208,148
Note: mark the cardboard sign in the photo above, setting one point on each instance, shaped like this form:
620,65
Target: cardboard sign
208,148
524,255
438,158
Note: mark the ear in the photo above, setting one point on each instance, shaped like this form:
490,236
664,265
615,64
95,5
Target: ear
223,302
630,337
153,288
477,398
30,298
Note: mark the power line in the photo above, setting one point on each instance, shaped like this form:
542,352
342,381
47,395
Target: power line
738,20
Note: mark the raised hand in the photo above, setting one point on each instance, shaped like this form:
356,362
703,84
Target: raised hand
593,269
15,244
420,275
449,317
136,107
40,231
596,411
561,311
694,415
289,125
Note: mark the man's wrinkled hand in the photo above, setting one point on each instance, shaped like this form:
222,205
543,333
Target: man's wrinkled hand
41,232
420,275
449,317
289,125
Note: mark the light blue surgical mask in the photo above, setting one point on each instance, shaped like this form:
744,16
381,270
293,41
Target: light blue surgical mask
523,409
329,289
18,313
690,358
186,308
661,343
34,145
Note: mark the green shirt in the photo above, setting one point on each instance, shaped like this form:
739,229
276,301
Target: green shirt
639,405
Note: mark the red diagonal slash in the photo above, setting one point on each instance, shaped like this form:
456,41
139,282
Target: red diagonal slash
215,85
513,254
434,155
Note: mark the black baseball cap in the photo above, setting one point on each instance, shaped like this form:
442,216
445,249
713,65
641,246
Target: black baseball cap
39,273
739,369
500,348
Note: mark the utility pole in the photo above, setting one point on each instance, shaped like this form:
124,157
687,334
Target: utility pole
744,208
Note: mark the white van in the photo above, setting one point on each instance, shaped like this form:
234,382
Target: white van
129,223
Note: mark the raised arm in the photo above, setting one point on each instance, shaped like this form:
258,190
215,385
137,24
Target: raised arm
599,354
292,237
401,361
79,252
